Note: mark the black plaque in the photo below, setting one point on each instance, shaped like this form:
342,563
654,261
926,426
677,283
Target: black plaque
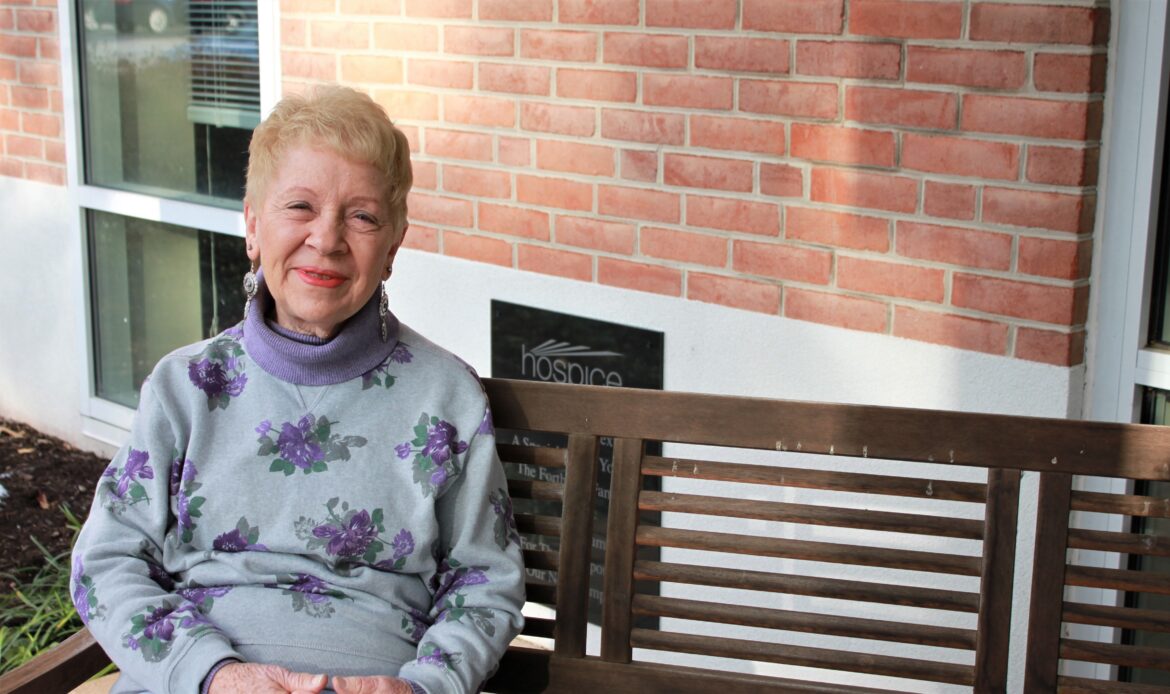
537,345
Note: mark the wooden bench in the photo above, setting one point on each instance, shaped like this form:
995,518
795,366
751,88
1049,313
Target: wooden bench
803,547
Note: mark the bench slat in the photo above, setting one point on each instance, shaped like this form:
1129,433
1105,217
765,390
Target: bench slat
1118,579
532,524
810,622
537,559
807,514
539,627
1120,617
1079,685
1124,504
1127,543
541,593
1115,654
839,589
531,489
576,541
945,490
805,656
910,560
625,484
532,455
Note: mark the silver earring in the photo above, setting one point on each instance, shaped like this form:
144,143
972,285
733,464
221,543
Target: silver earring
384,312
249,288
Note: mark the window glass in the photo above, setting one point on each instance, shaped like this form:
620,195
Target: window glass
170,95
156,287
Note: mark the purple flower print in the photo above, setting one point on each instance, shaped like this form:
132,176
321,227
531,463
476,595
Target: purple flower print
403,450
213,379
486,426
241,538
176,477
350,540
137,467
315,590
436,446
402,544
236,331
264,427
84,599
186,503
442,441
438,478
159,575
202,596
415,624
310,594
158,626
152,631
505,525
297,444
401,354
431,654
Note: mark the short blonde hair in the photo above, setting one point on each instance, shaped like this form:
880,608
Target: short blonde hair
347,121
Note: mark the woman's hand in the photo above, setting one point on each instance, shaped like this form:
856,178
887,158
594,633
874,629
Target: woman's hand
256,678
370,685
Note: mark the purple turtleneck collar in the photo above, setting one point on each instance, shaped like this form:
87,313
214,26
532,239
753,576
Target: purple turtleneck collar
310,361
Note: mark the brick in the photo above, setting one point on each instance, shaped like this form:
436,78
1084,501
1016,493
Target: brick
782,180
371,7
294,33
479,110
741,54
29,97
56,101
643,126
295,6
440,210
599,11
449,74
691,14
39,21
479,182
761,297
1068,120
683,246
954,245
1061,259
7,20
44,173
479,40
515,79
20,46
314,66
687,91
515,151
458,145
344,35
950,200
838,229
638,203
426,174
906,107
854,313
966,68
646,50
639,276
21,146
552,261
421,238
737,134
516,10
1040,209
781,98
1062,72
1060,349
574,157
1038,24
441,9
638,165
406,37
899,280
8,69
707,172
50,48
9,119
408,104
412,136
41,73
839,145
794,16
908,20
11,167
961,156
849,59
730,214
55,151
541,44
1063,166
597,85
514,221
1039,302
860,189
563,120
782,262
948,329
611,237
44,124
480,248
377,69
554,192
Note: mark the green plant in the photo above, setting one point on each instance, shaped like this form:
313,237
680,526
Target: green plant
36,611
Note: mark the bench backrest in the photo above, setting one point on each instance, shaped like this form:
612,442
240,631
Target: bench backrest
899,570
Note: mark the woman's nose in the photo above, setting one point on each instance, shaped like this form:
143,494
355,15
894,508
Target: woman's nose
327,234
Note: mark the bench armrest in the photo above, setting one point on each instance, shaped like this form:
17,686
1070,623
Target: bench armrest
59,669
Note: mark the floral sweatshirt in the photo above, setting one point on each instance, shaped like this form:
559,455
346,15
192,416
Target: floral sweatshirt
328,506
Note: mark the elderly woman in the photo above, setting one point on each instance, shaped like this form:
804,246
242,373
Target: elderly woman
312,498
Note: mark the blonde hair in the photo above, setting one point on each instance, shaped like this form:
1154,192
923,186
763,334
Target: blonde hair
347,121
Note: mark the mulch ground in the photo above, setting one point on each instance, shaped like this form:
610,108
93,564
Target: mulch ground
40,473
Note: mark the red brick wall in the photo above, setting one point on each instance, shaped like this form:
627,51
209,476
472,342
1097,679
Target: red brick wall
32,143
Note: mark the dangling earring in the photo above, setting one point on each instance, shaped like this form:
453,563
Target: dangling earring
250,284
384,312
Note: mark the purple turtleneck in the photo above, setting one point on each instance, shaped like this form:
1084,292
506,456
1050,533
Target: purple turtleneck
307,360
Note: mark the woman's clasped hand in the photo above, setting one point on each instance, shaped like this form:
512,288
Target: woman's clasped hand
252,678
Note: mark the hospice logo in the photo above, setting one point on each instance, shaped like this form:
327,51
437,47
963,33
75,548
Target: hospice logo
559,362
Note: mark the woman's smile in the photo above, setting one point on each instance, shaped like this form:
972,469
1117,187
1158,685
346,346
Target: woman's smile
320,278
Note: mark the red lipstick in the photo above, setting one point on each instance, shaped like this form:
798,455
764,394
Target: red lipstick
320,278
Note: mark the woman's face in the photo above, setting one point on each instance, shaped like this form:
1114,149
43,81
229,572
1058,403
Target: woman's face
324,237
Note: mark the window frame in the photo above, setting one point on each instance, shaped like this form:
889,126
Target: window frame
101,419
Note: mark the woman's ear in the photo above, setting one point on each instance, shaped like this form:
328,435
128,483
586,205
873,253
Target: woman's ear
394,251
251,245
